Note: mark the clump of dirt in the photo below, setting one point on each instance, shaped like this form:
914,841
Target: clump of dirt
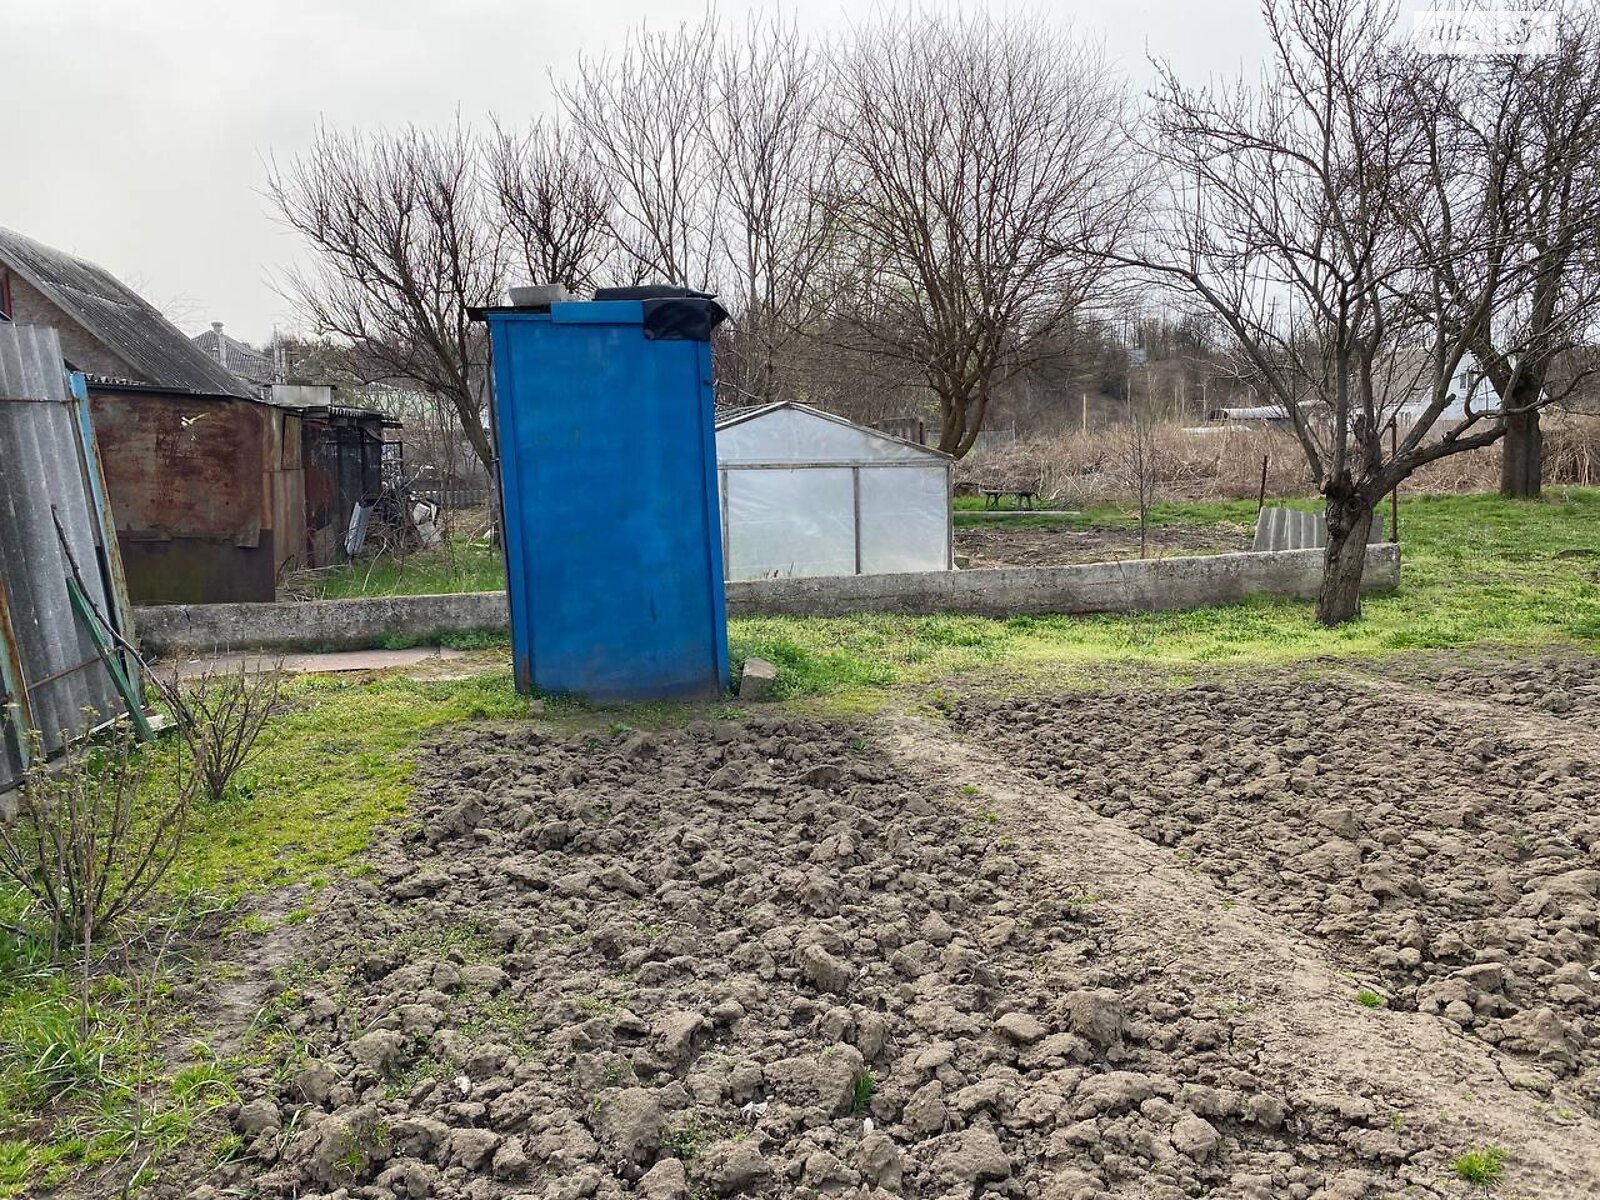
1561,685
1001,544
765,958
1446,852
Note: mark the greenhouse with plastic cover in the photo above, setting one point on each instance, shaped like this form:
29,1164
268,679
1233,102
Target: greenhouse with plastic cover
805,492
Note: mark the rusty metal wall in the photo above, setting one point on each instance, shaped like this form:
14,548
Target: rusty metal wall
191,480
53,677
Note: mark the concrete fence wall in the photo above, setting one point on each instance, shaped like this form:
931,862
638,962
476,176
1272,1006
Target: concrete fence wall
1136,585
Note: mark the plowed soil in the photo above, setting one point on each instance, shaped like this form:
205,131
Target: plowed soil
1104,944
998,543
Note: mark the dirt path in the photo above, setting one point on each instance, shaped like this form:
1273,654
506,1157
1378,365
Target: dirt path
1418,1072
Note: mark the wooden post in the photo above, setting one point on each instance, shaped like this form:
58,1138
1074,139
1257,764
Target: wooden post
1394,495
1085,422
1261,496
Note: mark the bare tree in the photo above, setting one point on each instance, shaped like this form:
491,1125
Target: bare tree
221,715
1539,114
644,117
403,244
554,202
767,91
1320,216
978,167
1136,447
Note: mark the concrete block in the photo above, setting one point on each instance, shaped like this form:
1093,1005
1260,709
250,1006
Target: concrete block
169,629
759,680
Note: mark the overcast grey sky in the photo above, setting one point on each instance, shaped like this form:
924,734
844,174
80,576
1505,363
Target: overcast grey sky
136,130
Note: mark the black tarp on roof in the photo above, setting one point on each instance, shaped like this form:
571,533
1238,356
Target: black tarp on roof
121,320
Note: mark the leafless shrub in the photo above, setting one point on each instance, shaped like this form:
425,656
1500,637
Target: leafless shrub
220,715
90,840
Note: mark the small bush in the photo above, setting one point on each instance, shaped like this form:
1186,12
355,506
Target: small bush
85,846
1483,1165
221,714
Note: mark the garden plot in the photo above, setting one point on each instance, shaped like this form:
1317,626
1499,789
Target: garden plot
1440,841
778,957
1047,543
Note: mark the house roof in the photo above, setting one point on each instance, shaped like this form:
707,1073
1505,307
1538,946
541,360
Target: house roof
119,319
239,357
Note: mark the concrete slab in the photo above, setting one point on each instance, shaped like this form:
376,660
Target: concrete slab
310,664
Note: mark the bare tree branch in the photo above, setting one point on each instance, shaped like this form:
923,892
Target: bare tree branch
399,228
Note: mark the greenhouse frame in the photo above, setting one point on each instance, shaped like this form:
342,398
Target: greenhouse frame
804,492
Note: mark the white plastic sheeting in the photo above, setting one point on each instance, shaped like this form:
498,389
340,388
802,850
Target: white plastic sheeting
905,519
791,522
806,493
793,433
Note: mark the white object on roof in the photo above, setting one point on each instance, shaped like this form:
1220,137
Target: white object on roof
807,493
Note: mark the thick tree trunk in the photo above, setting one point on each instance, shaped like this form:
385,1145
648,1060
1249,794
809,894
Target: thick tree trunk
1349,522
961,424
1522,456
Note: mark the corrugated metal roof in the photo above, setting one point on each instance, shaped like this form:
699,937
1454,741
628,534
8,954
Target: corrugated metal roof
117,317
1295,529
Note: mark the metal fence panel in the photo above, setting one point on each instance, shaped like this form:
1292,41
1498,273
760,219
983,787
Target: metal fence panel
64,687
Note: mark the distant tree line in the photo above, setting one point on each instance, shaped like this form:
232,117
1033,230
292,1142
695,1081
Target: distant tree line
970,208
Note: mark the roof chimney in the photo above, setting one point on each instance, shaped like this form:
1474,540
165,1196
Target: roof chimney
222,350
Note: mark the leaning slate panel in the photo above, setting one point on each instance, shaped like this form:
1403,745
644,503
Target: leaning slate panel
51,675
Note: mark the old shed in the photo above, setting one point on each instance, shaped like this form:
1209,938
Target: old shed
206,474
805,492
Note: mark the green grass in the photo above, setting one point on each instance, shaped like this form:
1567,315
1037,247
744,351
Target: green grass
1007,504
460,566
1484,1165
336,765
862,1091
1368,998
1476,570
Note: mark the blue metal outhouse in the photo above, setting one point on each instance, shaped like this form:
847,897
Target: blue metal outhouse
603,412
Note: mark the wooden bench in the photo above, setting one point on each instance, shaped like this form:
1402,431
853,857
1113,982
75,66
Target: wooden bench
993,495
